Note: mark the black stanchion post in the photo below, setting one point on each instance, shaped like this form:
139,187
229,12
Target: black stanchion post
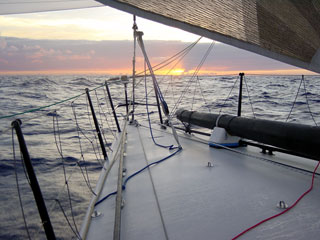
34,182
96,124
240,94
112,107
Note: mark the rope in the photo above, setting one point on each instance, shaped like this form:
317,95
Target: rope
171,147
306,94
154,189
87,180
59,148
228,95
18,188
171,59
191,79
178,61
136,173
286,210
204,99
245,81
47,106
295,99
194,93
67,219
81,131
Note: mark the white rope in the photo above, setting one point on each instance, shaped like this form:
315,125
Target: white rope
153,187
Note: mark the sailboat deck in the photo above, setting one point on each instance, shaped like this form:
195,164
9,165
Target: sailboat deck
184,198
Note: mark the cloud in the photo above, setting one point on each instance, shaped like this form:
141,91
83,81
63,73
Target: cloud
63,55
3,43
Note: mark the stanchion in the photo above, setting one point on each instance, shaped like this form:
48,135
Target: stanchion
96,124
34,182
112,107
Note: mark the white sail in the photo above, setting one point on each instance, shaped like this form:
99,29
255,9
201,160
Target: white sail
31,6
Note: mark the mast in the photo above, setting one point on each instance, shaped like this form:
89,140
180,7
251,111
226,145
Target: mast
134,27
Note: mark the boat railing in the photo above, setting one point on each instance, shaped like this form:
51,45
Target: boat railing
78,122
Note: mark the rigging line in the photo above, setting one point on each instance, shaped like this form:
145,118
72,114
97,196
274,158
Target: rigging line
204,99
168,61
295,99
47,106
87,180
228,95
172,89
306,94
191,79
28,119
154,188
179,60
194,94
284,211
81,131
66,217
193,76
18,188
59,148
149,121
52,207
177,54
245,81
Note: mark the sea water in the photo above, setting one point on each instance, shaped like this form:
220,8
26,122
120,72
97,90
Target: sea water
63,144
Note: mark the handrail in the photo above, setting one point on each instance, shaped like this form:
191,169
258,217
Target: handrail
102,179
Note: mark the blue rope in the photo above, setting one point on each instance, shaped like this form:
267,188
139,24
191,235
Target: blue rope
171,147
149,165
135,174
104,198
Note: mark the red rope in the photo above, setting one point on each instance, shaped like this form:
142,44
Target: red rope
289,208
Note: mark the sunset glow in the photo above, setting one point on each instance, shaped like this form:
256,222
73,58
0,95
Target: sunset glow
99,41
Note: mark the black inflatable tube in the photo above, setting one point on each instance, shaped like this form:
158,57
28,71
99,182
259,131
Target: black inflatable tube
299,138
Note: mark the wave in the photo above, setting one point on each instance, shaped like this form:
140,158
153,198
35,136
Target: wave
81,82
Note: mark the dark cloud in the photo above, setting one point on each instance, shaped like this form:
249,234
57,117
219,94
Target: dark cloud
38,55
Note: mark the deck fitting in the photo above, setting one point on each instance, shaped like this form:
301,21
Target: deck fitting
95,214
282,205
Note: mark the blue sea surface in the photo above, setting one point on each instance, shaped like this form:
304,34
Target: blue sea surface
62,139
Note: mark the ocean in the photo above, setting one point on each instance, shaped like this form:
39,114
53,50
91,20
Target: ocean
63,145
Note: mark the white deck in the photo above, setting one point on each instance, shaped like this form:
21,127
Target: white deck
201,202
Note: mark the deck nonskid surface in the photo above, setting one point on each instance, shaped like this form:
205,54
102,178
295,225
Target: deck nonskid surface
183,198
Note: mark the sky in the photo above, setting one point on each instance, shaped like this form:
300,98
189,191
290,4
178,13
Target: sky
99,40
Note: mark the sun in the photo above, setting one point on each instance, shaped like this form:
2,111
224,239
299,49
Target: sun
177,71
